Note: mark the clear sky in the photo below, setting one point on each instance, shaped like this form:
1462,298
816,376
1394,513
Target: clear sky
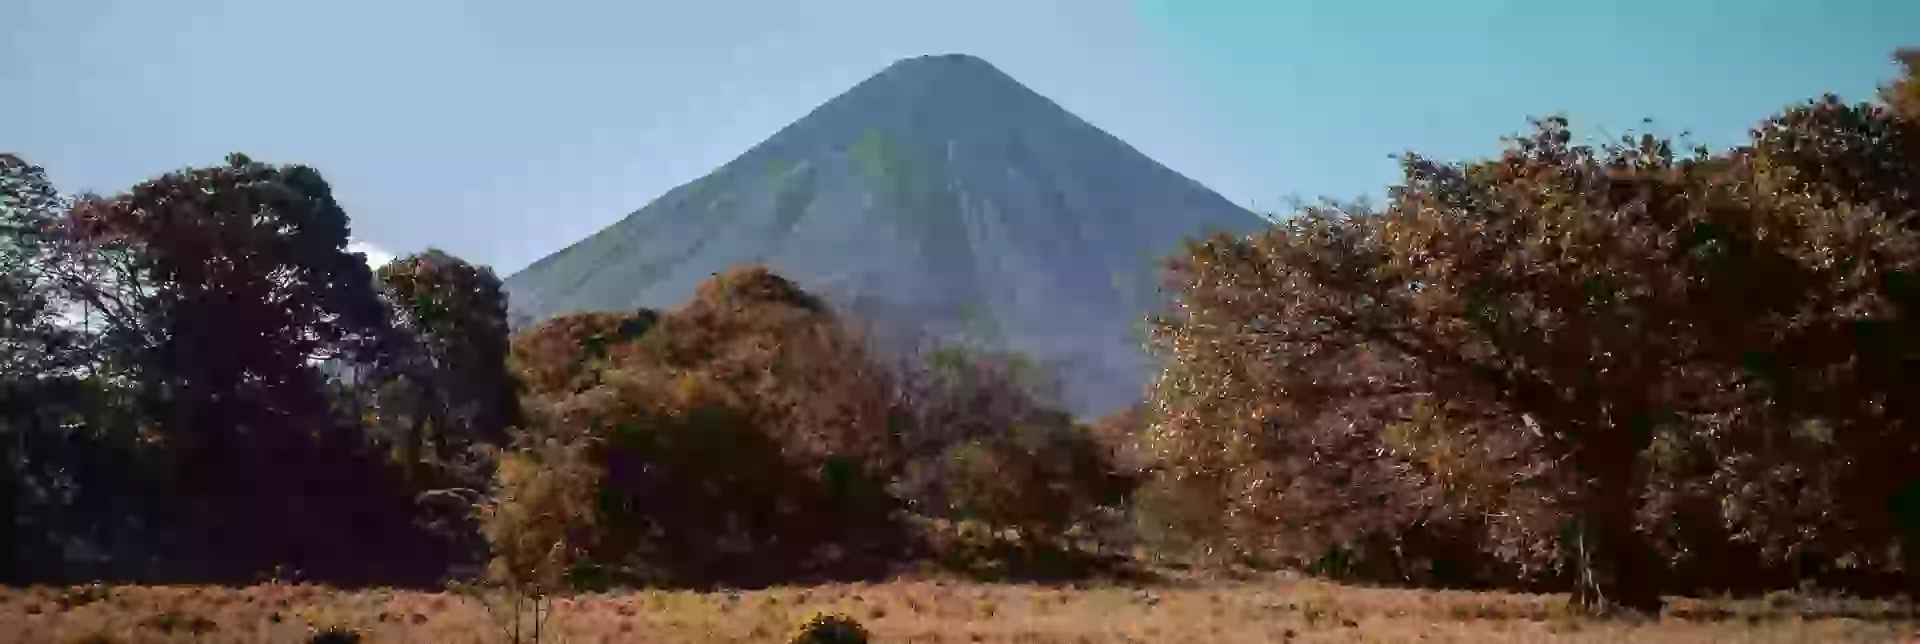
502,130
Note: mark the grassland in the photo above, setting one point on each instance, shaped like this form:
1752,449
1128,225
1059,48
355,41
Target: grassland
1269,609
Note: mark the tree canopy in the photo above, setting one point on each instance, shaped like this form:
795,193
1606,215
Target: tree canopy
1570,347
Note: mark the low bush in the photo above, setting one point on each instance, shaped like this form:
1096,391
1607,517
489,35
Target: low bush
829,629
740,439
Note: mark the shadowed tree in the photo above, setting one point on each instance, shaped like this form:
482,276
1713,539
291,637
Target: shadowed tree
32,347
989,442
452,362
247,282
237,282
68,460
40,333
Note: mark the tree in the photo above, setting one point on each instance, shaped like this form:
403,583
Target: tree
961,393
227,286
1577,332
569,353
1836,230
68,461
988,441
246,283
739,438
1277,415
34,342
986,448
453,352
1903,95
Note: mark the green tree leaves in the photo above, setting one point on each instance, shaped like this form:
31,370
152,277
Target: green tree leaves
450,353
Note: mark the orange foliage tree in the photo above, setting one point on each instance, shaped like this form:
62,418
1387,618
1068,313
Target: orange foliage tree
741,438
1567,347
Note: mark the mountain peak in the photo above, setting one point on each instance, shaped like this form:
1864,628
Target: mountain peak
946,60
945,69
940,197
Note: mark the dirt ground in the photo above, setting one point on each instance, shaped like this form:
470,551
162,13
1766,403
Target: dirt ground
1278,609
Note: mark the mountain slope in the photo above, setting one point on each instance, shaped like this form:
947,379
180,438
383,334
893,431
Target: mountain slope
940,193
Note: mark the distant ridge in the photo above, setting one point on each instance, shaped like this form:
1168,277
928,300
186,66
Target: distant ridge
937,195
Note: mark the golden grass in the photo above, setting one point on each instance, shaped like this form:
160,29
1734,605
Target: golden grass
1274,609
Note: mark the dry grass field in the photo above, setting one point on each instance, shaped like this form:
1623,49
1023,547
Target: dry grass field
1266,610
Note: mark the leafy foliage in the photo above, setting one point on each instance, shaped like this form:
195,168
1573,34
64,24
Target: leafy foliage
33,341
244,279
1010,485
1623,368
568,354
738,439
1565,350
450,375
543,518
215,291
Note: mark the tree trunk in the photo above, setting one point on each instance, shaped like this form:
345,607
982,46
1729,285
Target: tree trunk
1622,568
410,452
1627,572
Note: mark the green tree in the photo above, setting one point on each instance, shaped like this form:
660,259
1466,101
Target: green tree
34,341
452,362
70,466
245,283
226,287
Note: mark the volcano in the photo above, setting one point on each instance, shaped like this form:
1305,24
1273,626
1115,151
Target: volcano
936,198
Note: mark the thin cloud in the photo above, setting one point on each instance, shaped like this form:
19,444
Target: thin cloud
376,256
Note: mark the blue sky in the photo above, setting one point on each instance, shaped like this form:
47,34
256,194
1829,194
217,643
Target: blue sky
501,131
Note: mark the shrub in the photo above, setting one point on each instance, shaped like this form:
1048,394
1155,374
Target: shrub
1041,481
1175,522
740,438
335,635
542,516
829,629
987,443
566,354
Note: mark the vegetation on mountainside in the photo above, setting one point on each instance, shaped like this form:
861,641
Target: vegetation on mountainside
879,159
